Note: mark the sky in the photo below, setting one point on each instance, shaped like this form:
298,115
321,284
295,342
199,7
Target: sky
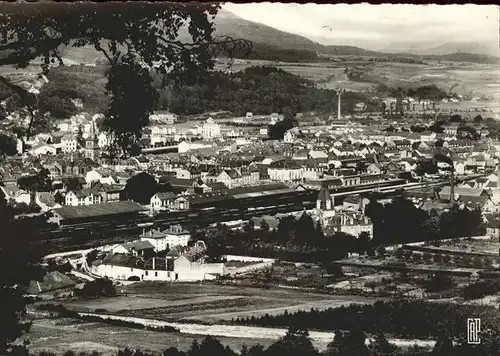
376,24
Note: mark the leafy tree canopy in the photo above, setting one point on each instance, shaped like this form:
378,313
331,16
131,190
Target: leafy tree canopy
132,36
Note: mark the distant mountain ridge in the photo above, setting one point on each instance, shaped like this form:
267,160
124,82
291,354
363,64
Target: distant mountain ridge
264,36
231,25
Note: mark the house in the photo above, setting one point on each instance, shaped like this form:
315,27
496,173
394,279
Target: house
175,235
191,265
291,135
162,133
493,228
83,197
141,162
102,175
186,266
451,129
140,248
352,223
318,155
161,201
459,167
155,238
189,173
164,117
12,192
355,203
103,140
210,129
375,168
69,143
471,197
285,171
119,266
428,136
109,192
233,177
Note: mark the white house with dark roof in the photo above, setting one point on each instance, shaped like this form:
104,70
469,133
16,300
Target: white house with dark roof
175,235
161,201
183,265
83,197
102,175
138,248
155,238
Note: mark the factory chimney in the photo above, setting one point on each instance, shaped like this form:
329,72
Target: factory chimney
339,93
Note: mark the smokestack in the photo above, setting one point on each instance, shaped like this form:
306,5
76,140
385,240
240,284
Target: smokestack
339,93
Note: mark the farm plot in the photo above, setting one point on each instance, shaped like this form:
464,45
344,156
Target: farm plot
51,335
228,301
132,303
227,316
486,247
197,310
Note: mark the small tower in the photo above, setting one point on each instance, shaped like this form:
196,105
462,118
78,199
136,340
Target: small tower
325,200
92,144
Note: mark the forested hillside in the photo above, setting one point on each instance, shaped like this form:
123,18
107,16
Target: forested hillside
261,90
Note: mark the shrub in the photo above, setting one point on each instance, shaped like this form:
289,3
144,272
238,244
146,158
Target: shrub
99,288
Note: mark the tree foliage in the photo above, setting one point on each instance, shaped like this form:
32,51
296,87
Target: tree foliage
17,256
132,101
8,145
141,187
98,288
402,318
141,34
401,222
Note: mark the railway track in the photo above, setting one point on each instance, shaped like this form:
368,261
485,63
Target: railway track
100,231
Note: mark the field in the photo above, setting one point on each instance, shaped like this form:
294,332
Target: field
194,305
62,334
207,303
467,78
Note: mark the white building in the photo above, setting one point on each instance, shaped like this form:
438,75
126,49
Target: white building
83,197
69,143
102,175
162,133
161,201
283,171
210,129
189,267
103,140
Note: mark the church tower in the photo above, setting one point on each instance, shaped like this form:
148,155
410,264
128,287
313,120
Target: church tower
92,144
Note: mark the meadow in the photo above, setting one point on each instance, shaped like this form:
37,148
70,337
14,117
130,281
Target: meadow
465,78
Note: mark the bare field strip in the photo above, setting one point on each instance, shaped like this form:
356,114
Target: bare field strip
227,316
129,303
229,302
47,335
171,312
169,291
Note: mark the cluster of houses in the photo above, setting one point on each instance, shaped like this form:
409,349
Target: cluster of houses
158,255
213,156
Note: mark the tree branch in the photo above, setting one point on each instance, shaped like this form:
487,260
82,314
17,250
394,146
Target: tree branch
27,98
103,51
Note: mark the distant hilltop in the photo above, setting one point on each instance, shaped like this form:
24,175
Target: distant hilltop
270,41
